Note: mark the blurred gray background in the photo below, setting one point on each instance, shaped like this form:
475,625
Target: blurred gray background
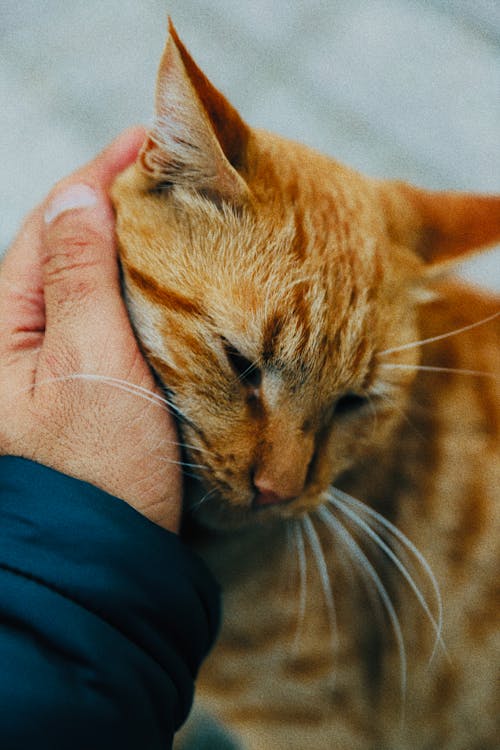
396,88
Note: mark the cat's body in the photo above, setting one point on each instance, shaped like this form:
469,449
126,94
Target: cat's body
273,291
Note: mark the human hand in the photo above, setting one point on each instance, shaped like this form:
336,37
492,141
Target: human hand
75,391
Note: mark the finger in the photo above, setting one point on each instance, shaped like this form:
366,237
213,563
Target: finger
22,314
80,271
24,250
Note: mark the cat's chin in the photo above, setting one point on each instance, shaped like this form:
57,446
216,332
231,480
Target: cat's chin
227,518
208,509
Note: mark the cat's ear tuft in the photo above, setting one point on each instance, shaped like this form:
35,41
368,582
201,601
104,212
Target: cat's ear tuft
441,227
198,140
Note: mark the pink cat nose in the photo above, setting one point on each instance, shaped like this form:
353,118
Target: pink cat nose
267,496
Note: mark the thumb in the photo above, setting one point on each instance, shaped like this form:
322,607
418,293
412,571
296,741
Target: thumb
79,266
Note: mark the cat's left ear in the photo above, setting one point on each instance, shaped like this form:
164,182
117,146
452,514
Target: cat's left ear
198,140
440,226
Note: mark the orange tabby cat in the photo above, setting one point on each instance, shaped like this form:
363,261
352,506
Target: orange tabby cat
337,400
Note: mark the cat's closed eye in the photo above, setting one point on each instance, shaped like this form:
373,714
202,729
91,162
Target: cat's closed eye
349,403
247,371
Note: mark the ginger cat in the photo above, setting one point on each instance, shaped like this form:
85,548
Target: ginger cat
338,401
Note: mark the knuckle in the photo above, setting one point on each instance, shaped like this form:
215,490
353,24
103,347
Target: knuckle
72,260
77,282
73,276
74,238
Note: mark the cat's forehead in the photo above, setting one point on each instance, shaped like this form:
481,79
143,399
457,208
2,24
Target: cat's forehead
252,291
296,272
305,249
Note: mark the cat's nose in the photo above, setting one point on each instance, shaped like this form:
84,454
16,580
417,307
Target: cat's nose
266,494
280,470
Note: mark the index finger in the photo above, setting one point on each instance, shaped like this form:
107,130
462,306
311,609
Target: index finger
21,288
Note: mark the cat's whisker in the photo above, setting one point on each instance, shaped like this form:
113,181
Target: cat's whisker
410,547
302,561
172,461
414,344
430,368
132,389
354,571
392,403
183,464
357,553
206,496
240,378
324,575
189,447
191,475
124,385
377,539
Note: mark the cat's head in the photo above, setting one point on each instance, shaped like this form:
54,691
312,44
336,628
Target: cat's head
268,285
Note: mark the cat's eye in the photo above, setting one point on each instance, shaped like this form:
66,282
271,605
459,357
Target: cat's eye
349,403
246,370
161,187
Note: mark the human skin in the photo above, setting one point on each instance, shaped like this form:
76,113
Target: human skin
62,319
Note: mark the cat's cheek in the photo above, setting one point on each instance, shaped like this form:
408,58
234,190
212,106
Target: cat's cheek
223,469
147,321
346,445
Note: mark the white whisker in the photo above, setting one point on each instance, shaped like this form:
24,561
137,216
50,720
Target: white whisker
353,571
338,527
323,574
414,344
134,390
193,448
437,626
393,405
206,496
302,560
123,385
184,464
429,368
407,544
252,367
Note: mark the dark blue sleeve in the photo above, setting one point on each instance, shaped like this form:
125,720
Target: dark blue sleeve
105,618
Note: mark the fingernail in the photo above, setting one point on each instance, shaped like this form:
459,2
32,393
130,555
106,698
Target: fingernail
74,196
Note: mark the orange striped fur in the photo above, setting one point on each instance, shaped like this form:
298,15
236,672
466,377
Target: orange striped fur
273,290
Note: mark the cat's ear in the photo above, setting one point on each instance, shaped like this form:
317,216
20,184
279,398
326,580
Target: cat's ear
441,226
198,140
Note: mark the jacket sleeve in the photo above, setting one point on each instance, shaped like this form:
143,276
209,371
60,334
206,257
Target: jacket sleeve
105,618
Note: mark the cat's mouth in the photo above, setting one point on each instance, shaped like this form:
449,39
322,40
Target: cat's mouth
264,500
210,507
